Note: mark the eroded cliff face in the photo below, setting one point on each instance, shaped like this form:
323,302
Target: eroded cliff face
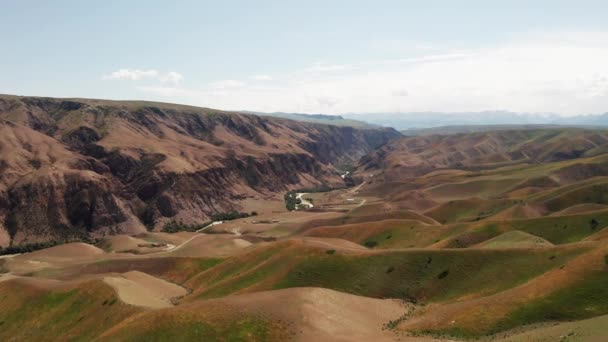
92,167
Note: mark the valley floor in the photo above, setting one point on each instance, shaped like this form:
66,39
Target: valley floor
363,264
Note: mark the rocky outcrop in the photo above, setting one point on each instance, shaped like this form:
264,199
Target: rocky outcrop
72,168
51,206
334,144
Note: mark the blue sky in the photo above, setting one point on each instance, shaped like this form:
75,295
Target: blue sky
313,56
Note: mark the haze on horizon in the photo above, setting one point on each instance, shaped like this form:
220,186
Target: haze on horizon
313,57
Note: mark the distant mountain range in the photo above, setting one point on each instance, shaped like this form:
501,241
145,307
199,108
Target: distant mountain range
403,121
414,121
447,130
326,119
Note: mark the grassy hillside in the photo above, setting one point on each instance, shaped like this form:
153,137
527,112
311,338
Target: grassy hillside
93,311
28,312
574,291
496,235
515,239
384,234
555,229
205,321
417,275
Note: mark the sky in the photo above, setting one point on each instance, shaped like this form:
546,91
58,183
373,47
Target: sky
313,56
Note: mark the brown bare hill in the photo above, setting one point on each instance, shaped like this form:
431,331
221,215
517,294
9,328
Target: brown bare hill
312,313
76,167
415,156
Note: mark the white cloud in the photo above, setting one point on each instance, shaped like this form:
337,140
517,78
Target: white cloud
564,73
137,74
168,91
172,77
227,84
131,74
400,92
322,67
261,78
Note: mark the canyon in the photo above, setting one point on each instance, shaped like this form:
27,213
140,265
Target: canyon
74,168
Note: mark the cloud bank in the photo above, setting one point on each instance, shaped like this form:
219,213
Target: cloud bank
137,74
564,73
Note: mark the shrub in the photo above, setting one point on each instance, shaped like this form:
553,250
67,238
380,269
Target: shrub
30,247
231,215
443,274
290,201
132,251
370,244
3,269
104,244
594,223
331,251
174,227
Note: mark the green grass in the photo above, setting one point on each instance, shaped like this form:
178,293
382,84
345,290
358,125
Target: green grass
235,274
588,298
414,275
246,329
468,210
192,331
547,196
80,314
597,193
423,275
584,299
485,188
564,229
473,237
406,235
555,229
386,234
194,328
405,215
86,312
515,238
207,263
187,268
241,282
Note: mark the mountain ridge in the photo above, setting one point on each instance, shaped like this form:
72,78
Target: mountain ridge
80,167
